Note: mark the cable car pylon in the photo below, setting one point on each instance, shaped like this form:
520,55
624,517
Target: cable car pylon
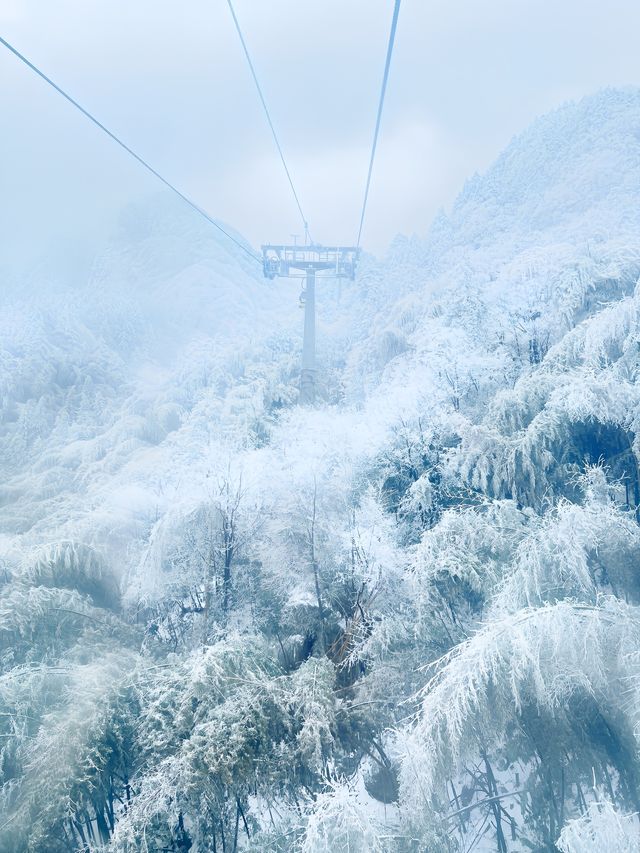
293,261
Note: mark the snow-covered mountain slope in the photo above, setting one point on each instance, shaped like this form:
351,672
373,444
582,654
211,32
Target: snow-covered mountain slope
546,231
173,323
96,374
471,380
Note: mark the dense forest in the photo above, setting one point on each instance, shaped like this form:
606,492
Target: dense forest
405,619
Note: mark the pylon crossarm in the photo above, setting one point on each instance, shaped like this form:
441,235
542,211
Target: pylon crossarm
280,260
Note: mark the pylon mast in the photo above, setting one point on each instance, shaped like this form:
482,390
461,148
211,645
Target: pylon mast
308,372
303,262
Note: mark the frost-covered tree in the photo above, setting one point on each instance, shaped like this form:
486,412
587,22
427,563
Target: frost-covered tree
600,828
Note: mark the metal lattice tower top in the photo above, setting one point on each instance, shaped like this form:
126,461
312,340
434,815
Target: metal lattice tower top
283,260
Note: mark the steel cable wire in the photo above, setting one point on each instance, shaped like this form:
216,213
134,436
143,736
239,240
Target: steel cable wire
268,115
383,91
130,151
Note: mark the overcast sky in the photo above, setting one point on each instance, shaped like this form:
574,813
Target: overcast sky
171,80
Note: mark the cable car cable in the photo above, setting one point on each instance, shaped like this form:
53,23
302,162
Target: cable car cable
268,115
130,151
383,90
